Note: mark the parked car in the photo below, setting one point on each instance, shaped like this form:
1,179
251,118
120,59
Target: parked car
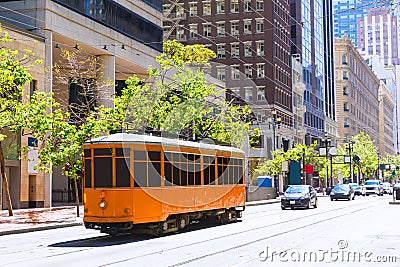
342,191
387,188
372,187
357,189
299,196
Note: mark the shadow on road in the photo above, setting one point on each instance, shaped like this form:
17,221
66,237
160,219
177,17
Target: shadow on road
106,240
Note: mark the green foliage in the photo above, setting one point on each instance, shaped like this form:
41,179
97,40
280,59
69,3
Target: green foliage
177,99
365,149
311,157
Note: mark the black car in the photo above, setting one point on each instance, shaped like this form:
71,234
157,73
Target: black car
299,196
342,191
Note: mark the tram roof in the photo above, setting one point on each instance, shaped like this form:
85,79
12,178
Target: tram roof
131,138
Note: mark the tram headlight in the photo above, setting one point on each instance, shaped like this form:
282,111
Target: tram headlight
102,204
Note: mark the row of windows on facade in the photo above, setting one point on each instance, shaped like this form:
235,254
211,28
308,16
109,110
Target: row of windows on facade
359,69
234,6
236,74
209,30
180,169
207,8
313,121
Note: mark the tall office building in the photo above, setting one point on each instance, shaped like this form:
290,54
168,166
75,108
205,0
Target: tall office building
378,35
346,15
251,41
309,41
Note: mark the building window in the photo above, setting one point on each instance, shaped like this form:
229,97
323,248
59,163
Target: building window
261,93
346,122
32,88
207,30
193,9
234,50
344,60
260,70
345,91
248,71
346,106
247,5
259,5
345,77
234,6
221,51
193,31
220,28
221,75
180,11
235,72
260,48
259,25
248,49
247,26
220,7
248,94
180,33
235,27
206,8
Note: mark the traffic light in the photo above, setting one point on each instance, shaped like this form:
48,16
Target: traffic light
356,159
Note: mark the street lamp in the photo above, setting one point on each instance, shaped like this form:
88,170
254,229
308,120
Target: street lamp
349,151
275,121
327,143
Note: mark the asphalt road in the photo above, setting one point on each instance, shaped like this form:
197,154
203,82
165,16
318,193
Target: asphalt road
362,232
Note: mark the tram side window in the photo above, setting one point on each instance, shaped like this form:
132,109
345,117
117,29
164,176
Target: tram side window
140,174
168,173
241,180
191,170
123,174
103,172
154,168
209,170
184,169
88,173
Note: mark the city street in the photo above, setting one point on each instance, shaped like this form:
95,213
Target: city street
363,232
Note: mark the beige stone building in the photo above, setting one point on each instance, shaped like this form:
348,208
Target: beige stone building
125,36
26,185
386,115
357,87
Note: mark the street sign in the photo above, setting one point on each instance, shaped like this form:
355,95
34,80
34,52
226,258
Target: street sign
309,169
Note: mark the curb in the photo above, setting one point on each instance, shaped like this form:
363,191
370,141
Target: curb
42,228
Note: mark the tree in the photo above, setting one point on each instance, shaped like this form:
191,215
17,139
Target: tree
75,119
177,99
14,74
274,166
365,149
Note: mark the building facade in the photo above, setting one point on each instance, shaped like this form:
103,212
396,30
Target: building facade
378,34
386,127
309,41
346,16
357,95
124,35
26,185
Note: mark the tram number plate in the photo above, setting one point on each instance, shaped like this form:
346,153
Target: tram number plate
292,202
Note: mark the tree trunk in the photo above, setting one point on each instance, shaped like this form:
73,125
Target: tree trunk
76,197
5,182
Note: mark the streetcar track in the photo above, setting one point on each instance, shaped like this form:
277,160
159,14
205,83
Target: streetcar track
249,230
265,238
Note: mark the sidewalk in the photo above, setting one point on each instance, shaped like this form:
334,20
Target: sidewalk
30,220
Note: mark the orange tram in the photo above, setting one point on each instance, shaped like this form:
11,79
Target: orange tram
156,185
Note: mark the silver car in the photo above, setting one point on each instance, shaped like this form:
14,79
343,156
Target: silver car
387,188
372,187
